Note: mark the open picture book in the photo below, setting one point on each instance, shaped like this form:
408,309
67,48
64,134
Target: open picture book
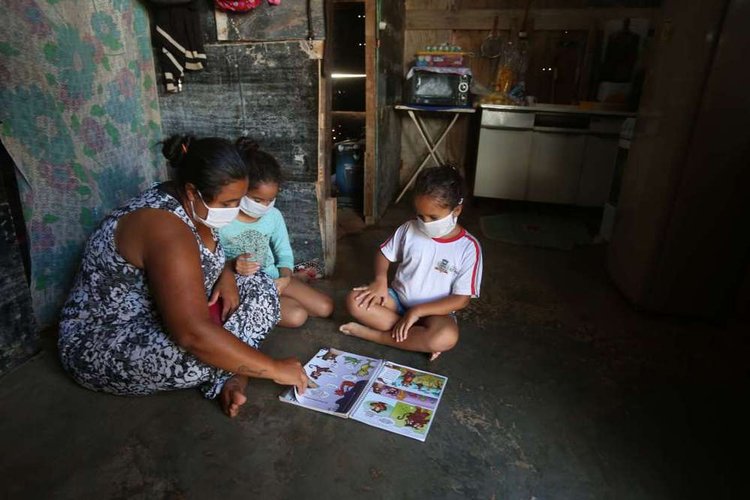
377,392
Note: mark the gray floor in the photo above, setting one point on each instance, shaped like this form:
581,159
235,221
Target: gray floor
557,389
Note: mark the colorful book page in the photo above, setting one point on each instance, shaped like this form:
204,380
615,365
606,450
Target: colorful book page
340,377
401,400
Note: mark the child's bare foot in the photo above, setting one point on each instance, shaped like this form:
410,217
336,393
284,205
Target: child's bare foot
351,328
435,355
360,331
232,395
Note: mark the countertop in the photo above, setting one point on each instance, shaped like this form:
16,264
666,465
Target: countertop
554,108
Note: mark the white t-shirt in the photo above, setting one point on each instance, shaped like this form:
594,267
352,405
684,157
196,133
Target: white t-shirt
433,268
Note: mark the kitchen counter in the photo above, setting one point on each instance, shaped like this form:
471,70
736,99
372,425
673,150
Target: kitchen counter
555,108
547,153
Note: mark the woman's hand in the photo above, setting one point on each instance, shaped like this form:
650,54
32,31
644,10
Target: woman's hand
245,265
226,290
289,371
401,329
375,292
282,283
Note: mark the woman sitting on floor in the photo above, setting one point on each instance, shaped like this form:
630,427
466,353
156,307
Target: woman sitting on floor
137,319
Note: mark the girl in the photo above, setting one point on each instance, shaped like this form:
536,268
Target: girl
258,240
440,269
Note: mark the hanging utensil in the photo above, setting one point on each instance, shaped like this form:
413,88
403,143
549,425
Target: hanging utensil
492,46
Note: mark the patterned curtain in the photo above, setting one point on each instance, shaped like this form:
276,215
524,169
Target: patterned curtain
80,117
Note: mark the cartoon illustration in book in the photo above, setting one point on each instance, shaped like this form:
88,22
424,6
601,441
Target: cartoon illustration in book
379,393
345,386
416,419
350,396
348,360
379,388
424,383
318,371
407,378
435,383
406,415
364,370
329,355
378,406
405,396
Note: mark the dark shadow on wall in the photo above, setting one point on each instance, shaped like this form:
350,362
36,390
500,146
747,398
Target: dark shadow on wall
18,337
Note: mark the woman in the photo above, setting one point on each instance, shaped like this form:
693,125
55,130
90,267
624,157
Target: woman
137,320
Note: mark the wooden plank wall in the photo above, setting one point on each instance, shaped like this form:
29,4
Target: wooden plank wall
270,91
389,82
469,22
371,116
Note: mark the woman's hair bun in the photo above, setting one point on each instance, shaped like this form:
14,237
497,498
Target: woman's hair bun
246,145
175,149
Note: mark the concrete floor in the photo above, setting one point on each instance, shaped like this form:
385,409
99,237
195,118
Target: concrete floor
557,389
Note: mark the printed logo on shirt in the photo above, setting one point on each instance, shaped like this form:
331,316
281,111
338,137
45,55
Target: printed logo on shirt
445,267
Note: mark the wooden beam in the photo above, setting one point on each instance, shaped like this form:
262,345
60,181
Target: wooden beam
371,105
324,132
544,19
326,204
327,216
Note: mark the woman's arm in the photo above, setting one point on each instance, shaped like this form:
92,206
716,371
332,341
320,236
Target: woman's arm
168,254
226,290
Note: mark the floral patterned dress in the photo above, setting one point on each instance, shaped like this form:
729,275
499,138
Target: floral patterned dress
111,336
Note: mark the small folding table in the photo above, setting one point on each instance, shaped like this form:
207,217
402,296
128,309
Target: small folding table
432,145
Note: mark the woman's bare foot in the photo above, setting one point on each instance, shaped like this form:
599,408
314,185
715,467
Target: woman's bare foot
232,395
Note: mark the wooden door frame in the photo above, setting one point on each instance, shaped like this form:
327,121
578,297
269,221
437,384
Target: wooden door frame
371,115
326,203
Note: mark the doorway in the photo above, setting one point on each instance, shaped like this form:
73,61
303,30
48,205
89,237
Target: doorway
348,104
366,53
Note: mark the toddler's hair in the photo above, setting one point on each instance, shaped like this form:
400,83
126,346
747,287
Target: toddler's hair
261,167
443,183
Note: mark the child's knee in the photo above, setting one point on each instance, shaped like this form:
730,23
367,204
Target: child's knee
444,339
294,317
351,302
325,307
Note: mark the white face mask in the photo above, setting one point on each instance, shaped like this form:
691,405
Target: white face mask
438,228
254,209
217,217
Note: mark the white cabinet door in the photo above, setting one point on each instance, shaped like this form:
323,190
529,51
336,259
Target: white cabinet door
598,170
502,163
555,168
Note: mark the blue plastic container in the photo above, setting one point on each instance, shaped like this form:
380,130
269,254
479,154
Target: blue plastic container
349,167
